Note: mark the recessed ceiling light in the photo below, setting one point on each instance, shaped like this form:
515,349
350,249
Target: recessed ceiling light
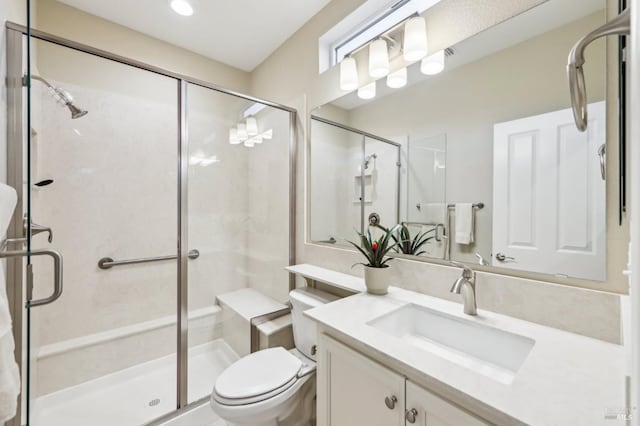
182,7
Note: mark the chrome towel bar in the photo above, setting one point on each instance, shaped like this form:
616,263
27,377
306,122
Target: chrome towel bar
107,262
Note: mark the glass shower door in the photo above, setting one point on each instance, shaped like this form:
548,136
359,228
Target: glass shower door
103,192
238,218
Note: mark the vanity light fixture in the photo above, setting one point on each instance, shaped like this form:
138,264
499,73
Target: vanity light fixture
252,126
367,91
433,64
233,136
249,143
378,58
397,79
181,7
267,134
348,74
242,132
415,39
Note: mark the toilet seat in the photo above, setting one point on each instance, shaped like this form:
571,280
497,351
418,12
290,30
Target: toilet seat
257,377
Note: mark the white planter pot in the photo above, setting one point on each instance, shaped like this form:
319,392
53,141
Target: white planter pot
377,279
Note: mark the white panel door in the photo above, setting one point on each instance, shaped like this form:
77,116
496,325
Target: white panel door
431,410
549,197
353,390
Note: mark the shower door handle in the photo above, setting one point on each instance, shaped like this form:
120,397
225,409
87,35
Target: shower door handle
57,271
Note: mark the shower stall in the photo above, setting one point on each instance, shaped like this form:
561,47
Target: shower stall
137,177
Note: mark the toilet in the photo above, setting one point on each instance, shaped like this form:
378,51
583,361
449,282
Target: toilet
274,386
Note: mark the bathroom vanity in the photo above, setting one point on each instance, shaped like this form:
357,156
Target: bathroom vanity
428,363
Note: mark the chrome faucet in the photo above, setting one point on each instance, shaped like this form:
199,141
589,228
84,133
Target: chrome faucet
466,286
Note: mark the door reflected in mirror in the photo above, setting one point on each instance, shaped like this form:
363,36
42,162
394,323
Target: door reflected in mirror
492,169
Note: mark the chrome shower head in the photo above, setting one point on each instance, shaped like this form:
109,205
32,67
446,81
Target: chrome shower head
63,98
76,112
368,159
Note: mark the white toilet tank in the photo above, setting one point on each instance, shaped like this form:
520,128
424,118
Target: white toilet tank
304,328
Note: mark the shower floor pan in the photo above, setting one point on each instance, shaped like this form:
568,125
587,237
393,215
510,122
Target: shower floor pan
136,395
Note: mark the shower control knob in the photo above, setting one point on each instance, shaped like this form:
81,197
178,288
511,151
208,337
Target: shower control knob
314,349
411,415
390,402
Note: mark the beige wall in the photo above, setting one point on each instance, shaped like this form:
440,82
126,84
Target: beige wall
64,21
468,100
290,75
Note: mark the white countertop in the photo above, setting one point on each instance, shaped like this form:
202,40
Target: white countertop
566,379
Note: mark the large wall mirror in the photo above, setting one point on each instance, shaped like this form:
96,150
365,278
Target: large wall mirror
482,163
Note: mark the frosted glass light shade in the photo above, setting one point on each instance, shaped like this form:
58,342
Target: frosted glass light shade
415,39
249,143
378,59
397,79
368,91
433,64
348,74
267,134
252,126
242,132
257,139
233,136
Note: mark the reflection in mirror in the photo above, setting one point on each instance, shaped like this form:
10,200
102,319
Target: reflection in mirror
492,168
353,175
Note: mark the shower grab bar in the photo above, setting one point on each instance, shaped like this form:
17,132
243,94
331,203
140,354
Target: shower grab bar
57,274
108,263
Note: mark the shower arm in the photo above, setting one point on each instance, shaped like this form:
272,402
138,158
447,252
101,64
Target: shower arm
37,77
619,25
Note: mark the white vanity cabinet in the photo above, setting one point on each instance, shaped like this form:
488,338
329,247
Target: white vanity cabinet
354,390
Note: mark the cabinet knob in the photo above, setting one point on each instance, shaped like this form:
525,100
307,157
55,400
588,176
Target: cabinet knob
390,402
411,415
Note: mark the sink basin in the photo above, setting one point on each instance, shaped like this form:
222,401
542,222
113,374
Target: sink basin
486,350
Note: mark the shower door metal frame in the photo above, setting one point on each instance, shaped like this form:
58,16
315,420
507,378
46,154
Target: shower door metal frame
15,125
366,135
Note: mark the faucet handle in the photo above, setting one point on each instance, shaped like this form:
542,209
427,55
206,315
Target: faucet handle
466,271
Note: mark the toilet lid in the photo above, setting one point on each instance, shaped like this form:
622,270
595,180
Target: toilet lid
258,373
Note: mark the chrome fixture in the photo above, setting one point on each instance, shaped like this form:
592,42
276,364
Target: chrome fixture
410,415
36,229
107,262
57,274
374,219
368,158
390,402
465,285
501,257
621,24
62,97
408,39
602,153
481,260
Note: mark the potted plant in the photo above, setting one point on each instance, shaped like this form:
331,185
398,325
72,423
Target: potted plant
405,243
412,245
376,269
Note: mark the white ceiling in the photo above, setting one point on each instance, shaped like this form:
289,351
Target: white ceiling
240,33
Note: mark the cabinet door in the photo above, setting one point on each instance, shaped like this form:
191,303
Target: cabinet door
352,389
435,411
